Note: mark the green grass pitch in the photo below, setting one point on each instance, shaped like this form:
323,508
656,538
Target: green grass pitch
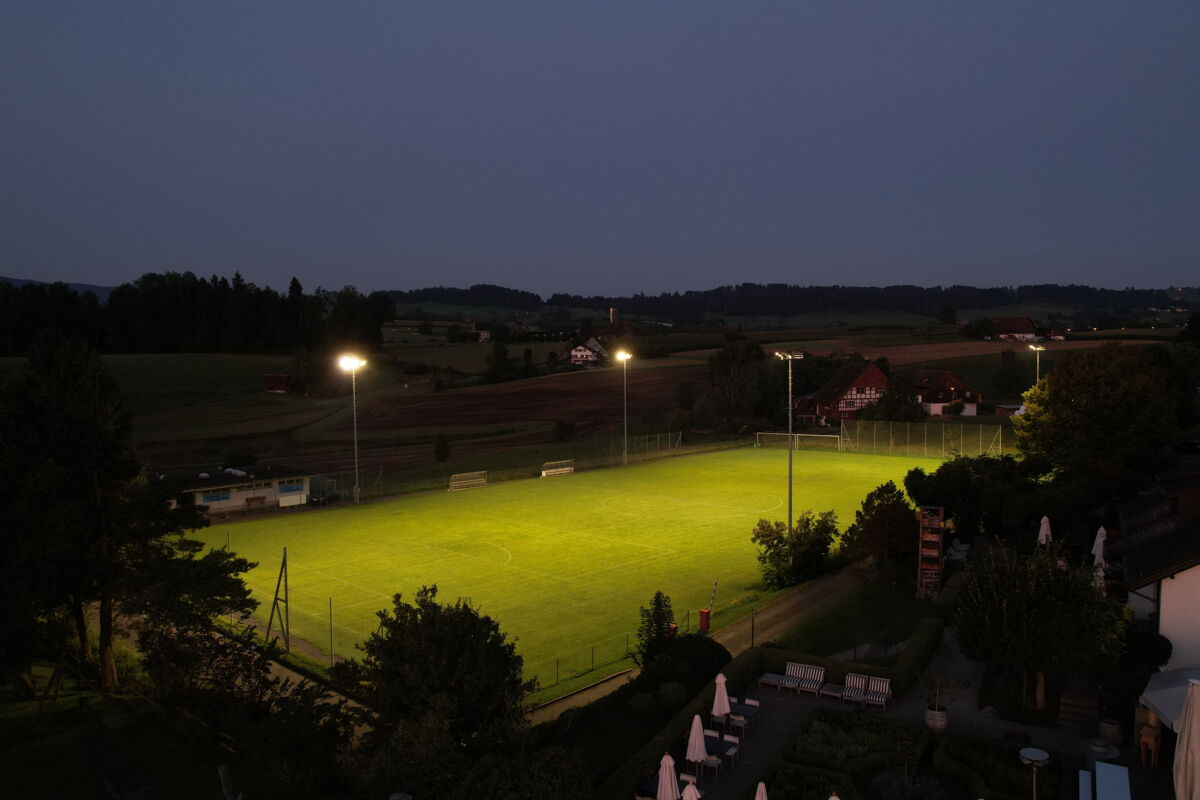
562,563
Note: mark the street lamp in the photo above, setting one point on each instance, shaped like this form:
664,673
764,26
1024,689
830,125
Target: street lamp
1037,349
624,357
789,357
350,363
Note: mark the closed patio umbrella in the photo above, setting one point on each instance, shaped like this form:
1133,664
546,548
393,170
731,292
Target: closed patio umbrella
720,706
761,792
696,752
1044,531
668,784
1187,747
690,792
1098,546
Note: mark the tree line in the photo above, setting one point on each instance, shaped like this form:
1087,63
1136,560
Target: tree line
175,312
778,299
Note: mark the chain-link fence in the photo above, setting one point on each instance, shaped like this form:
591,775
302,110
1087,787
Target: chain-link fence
925,439
385,480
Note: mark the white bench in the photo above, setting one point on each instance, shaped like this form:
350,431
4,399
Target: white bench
879,691
548,473
801,677
809,678
856,687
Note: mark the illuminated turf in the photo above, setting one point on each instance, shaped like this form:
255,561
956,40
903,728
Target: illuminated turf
563,563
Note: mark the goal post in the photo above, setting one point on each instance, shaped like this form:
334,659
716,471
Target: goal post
551,468
800,441
467,480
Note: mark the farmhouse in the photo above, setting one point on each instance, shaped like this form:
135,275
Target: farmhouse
252,488
853,386
1020,329
276,382
1159,548
589,354
936,388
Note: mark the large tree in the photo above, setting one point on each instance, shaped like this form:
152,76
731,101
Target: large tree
788,557
427,652
1100,411
87,518
1038,615
885,528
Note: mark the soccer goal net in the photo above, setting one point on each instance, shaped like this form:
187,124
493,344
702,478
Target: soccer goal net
558,468
800,441
467,480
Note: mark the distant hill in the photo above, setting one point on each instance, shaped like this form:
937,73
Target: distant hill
101,292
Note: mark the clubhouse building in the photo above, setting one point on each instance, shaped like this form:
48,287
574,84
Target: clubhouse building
227,490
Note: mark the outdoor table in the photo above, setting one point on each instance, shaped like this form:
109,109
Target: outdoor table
717,747
743,710
832,690
649,787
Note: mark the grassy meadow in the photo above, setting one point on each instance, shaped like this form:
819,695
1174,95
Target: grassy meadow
562,563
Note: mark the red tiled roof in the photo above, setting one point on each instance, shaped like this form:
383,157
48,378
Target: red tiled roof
1014,325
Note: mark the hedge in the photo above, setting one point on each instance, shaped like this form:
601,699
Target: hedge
670,738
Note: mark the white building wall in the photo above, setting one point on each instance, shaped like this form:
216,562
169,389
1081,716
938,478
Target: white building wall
1179,617
227,499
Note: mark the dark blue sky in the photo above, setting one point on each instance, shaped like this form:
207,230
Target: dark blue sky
602,146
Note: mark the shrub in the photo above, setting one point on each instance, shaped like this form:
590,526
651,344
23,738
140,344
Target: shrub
643,705
672,694
692,659
917,651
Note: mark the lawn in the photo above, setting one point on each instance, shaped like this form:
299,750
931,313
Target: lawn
874,613
563,563
87,745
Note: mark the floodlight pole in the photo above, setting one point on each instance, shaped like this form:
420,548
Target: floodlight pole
624,357
350,363
789,357
1037,350
354,413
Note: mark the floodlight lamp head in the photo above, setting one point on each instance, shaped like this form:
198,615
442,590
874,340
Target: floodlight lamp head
623,356
350,362
788,355
1037,347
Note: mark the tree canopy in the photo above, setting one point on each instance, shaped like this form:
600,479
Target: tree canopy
427,652
885,528
1038,614
788,557
1100,409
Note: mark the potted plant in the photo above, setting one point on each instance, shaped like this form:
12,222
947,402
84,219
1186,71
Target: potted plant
935,715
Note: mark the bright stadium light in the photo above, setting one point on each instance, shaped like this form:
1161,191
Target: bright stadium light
1037,349
624,357
351,363
789,357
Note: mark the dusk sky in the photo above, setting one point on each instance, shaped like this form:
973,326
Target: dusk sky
602,147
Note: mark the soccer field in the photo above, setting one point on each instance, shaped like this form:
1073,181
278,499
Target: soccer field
562,563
